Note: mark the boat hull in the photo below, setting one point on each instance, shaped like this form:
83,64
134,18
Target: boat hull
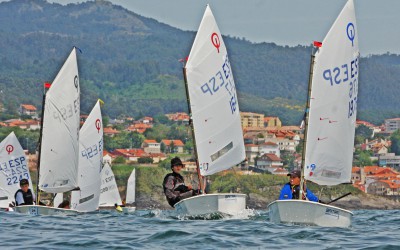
308,213
43,210
128,210
225,204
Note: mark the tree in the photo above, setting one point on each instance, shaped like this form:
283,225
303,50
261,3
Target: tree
119,160
145,160
363,158
395,138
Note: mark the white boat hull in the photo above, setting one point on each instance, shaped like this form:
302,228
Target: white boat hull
43,210
308,213
225,204
128,210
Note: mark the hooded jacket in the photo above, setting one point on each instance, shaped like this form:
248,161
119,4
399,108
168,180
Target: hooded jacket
175,189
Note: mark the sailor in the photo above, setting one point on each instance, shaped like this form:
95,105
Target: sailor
291,190
174,186
24,196
65,204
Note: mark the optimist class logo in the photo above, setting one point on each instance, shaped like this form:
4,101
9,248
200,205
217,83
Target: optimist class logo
98,125
351,33
215,41
9,149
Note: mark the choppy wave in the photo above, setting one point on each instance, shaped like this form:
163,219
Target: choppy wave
157,229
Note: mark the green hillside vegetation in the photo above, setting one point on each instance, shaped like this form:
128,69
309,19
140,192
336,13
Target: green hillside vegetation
131,62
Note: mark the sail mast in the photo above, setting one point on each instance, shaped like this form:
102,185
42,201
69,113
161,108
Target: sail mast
192,131
306,117
40,147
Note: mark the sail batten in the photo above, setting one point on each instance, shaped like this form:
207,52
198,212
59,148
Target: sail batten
213,100
60,132
333,103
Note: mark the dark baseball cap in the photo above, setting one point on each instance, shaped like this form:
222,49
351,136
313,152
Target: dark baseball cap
294,173
23,182
176,162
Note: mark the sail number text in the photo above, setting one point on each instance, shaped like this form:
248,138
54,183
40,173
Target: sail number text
93,150
67,112
15,170
347,72
222,80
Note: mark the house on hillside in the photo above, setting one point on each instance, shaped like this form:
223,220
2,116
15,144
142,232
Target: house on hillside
108,131
251,152
151,146
27,109
392,125
28,124
107,157
389,160
173,146
269,147
267,161
272,121
131,154
180,117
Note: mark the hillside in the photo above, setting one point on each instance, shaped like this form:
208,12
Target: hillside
131,62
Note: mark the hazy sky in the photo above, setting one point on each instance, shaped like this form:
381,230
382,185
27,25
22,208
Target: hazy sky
285,22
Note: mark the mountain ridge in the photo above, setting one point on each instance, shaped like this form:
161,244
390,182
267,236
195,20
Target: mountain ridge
125,54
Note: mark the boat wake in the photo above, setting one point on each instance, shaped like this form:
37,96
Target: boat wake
172,214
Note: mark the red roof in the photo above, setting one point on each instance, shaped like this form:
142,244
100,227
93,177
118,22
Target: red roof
109,130
28,107
392,184
149,141
272,157
132,152
270,143
371,170
177,143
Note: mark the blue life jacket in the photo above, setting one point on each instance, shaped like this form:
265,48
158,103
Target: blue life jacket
287,193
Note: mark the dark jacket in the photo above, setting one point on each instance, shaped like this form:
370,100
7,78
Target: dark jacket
175,189
288,192
28,197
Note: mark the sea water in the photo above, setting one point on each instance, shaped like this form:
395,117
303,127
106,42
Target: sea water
155,229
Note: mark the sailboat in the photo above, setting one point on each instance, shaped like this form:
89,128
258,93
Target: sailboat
330,124
59,138
90,162
215,119
130,193
109,194
13,168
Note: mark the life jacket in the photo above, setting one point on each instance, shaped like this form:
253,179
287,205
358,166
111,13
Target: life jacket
28,197
295,191
179,183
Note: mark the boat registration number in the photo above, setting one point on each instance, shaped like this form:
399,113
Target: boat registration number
332,212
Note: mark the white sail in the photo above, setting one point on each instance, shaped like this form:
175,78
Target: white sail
213,99
333,103
130,188
13,168
109,194
59,150
90,162
58,199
